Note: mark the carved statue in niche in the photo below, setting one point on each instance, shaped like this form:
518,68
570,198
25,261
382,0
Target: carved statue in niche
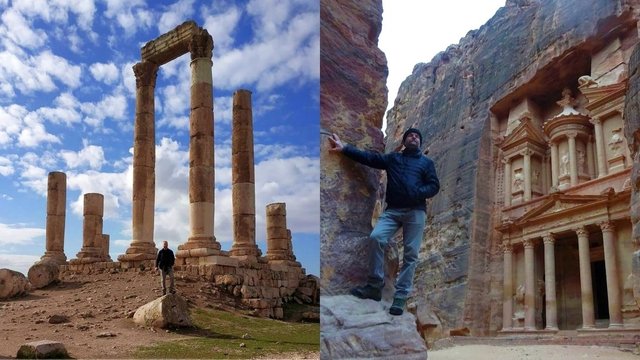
564,163
615,143
518,315
581,160
518,180
536,177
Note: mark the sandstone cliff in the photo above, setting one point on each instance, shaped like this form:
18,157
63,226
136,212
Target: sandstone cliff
451,100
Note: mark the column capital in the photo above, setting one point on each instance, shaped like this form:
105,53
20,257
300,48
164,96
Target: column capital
572,134
549,239
506,160
581,231
146,73
201,45
506,247
595,120
607,226
528,243
526,152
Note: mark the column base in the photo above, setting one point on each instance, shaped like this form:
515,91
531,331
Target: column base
56,256
551,328
221,259
251,250
616,326
139,251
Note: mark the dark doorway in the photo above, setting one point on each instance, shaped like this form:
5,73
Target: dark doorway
600,299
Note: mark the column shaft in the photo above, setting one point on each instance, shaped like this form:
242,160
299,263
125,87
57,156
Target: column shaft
573,164
56,213
527,175
507,299
611,269
600,154
554,164
507,182
588,319
529,287
277,234
550,283
590,160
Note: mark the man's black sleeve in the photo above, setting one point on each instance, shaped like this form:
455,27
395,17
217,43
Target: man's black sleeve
369,158
431,185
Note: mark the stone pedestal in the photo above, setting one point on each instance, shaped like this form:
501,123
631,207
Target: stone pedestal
616,163
56,213
92,239
243,182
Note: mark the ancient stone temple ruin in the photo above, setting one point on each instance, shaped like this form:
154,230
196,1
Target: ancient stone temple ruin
260,282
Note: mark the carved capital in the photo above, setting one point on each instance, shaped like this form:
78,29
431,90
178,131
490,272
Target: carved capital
582,231
526,152
607,226
528,243
549,239
146,73
506,247
572,134
595,120
201,45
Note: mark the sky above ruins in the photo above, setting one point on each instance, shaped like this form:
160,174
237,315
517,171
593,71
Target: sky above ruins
67,103
414,31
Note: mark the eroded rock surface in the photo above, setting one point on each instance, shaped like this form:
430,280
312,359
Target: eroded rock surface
167,311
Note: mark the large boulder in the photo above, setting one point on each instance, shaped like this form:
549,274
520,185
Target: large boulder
164,312
13,283
354,328
43,273
43,349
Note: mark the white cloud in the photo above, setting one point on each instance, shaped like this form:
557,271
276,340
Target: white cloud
111,106
114,187
107,73
11,122
222,27
223,109
18,30
19,234
19,263
175,15
59,68
6,166
35,133
130,15
58,11
90,155
29,74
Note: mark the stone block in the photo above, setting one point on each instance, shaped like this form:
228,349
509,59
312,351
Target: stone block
201,122
201,95
201,71
43,349
145,106
201,179
201,151
276,209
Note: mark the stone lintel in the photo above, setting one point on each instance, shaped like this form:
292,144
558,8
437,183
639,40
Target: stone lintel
169,45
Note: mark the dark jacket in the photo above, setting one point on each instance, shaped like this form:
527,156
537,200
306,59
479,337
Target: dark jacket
165,259
411,176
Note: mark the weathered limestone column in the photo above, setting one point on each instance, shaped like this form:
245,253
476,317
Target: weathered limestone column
573,164
554,163
201,243
600,154
611,269
243,182
590,161
529,286
92,229
56,213
527,175
507,298
142,246
105,247
277,235
507,182
550,282
586,289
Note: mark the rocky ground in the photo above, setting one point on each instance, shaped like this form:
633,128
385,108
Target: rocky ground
530,352
90,314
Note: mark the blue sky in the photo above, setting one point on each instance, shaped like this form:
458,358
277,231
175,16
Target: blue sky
67,102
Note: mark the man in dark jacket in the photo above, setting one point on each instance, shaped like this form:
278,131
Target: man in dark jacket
411,179
164,262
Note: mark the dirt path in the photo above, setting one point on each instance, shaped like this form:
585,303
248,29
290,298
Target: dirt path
530,352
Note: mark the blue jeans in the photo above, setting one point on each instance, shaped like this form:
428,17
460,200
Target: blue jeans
412,223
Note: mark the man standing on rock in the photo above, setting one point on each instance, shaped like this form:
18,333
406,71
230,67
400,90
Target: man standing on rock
164,262
411,179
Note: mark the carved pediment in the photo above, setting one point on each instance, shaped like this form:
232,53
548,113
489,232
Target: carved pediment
526,132
601,95
558,204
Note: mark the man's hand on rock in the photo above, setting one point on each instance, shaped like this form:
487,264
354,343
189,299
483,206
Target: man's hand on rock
335,144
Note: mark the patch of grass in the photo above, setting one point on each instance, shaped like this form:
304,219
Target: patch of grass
218,334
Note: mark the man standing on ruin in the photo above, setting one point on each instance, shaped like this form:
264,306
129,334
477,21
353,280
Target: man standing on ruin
411,179
164,262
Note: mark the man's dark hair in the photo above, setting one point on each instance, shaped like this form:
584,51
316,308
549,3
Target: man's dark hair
412,130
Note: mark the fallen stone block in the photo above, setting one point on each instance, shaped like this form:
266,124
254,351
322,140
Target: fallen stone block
13,283
43,349
167,311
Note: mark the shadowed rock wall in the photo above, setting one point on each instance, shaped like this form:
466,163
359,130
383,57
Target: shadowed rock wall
450,100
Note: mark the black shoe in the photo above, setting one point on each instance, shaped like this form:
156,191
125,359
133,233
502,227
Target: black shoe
367,292
397,308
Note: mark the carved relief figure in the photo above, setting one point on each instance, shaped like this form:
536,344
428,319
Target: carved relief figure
536,177
615,143
564,164
581,160
518,180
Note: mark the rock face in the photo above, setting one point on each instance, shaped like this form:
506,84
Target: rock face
451,100
43,273
354,328
13,283
353,98
167,311
43,349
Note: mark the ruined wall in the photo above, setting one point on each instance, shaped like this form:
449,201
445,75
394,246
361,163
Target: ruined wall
353,98
450,99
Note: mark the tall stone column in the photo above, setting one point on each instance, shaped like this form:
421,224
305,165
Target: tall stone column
550,282
56,213
142,246
527,175
590,168
573,164
529,286
92,229
243,182
611,269
600,154
105,247
201,242
507,182
277,235
554,164
507,298
586,289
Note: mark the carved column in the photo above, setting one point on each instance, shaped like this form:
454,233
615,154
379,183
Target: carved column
507,298
529,286
573,164
243,183
142,246
507,182
590,160
201,242
56,213
277,235
105,247
550,282
554,163
588,319
92,229
600,154
527,175
611,269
